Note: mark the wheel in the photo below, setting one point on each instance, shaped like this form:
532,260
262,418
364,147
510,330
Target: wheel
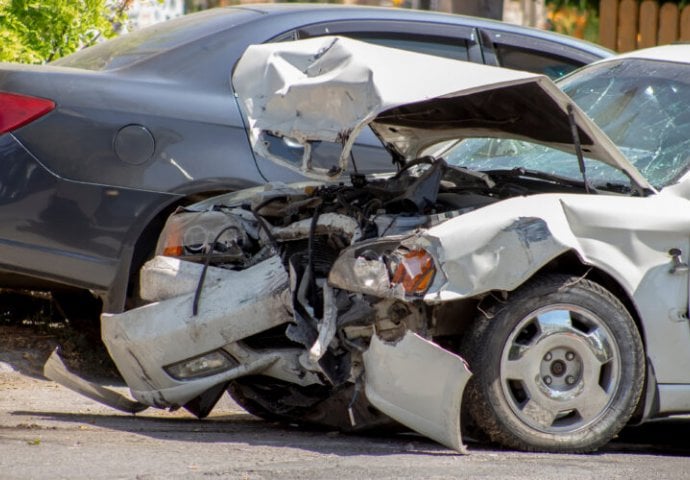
559,367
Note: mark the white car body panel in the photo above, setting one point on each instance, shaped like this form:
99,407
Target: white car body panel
161,333
497,256
330,88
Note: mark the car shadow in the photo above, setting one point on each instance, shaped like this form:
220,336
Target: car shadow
248,429
667,437
26,345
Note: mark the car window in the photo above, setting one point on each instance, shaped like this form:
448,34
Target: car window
553,66
455,49
442,40
486,154
365,157
642,106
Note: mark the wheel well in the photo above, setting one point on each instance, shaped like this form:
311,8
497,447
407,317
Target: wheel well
570,263
447,314
146,244
453,331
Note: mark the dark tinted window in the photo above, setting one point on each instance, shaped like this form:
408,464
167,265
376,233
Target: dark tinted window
534,61
455,49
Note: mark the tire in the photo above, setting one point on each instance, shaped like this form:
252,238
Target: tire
559,367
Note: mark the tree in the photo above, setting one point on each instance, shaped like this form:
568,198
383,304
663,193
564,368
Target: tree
38,31
479,8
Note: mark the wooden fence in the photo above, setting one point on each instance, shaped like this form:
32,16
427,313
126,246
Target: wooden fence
625,25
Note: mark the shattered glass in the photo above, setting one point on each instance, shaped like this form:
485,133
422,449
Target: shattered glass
492,154
642,106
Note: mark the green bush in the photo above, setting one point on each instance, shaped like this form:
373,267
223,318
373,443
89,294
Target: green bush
38,31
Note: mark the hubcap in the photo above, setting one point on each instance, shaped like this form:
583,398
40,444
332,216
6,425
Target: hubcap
560,369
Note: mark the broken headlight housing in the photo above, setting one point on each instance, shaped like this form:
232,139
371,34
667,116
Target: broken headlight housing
384,268
192,234
413,269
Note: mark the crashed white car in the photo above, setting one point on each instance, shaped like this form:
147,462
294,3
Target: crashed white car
515,241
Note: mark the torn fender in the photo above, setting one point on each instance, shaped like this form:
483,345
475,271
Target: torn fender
494,249
419,384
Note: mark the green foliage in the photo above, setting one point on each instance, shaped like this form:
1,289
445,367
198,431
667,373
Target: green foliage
38,31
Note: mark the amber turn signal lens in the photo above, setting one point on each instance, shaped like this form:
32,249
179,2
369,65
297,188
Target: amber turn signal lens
415,271
173,251
171,239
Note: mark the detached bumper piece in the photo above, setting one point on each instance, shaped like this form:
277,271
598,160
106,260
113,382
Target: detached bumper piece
399,383
56,370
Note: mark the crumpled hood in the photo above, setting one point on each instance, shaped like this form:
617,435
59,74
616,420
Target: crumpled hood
330,88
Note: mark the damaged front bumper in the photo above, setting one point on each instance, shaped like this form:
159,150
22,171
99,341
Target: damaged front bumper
170,357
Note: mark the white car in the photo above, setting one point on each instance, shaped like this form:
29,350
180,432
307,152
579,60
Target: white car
517,241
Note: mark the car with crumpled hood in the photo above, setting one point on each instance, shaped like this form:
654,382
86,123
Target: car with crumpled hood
516,241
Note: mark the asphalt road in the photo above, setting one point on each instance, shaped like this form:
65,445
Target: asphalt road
48,432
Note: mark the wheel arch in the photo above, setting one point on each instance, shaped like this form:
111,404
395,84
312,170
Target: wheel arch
569,263
142,245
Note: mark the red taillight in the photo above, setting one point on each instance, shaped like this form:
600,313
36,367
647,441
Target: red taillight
18,110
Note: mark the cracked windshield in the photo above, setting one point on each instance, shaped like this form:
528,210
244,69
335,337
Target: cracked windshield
640,105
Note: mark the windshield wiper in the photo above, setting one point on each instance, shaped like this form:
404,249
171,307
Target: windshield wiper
615,187
536,174
578,146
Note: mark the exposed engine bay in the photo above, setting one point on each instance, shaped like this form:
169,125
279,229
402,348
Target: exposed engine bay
301,352
307,228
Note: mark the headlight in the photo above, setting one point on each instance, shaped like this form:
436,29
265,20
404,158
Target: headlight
201,366
384,268
190,234
413,269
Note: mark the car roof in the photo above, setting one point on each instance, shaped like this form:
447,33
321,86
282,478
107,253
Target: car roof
362,12
679,53
274,19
